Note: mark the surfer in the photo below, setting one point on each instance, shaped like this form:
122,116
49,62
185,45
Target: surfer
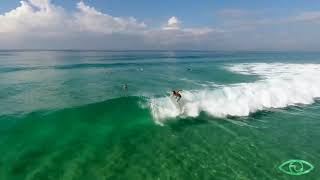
177,95
125,87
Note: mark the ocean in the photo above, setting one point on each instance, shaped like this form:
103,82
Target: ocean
66,114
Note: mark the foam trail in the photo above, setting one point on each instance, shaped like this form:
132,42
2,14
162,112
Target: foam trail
282,85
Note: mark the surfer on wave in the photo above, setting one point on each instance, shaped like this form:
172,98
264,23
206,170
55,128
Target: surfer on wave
177,94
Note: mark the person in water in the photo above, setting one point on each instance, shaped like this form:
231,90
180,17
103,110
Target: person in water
125,87
177,94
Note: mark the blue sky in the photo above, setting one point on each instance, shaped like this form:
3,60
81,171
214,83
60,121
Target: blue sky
193,13
209,24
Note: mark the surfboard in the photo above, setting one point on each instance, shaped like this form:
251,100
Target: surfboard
178,104
174,100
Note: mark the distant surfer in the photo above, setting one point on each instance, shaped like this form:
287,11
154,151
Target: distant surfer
177,94
125,87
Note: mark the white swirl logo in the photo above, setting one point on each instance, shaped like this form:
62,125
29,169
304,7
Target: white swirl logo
296,167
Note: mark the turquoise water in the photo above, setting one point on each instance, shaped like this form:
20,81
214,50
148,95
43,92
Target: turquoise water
65,115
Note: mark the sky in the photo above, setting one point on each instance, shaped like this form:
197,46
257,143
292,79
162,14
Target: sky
160,25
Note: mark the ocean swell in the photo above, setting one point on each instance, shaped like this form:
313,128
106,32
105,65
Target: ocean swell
282,85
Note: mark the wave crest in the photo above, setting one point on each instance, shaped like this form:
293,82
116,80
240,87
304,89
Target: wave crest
282,85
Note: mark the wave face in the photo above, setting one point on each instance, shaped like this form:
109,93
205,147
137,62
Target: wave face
281,85
124,110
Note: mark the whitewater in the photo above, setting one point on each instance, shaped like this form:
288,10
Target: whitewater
280,85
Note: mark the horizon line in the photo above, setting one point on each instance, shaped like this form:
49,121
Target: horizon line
158,50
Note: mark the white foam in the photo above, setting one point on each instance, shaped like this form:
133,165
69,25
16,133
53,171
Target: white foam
282,85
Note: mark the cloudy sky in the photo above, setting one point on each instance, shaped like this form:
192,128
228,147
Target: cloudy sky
156,25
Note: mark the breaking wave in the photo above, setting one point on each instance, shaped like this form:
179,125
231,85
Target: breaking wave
281,85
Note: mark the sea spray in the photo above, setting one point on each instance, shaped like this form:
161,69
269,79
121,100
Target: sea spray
281,85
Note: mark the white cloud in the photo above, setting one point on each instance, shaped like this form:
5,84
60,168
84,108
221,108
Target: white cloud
42,24
31,16
42,4
89,19
173,24
42,16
